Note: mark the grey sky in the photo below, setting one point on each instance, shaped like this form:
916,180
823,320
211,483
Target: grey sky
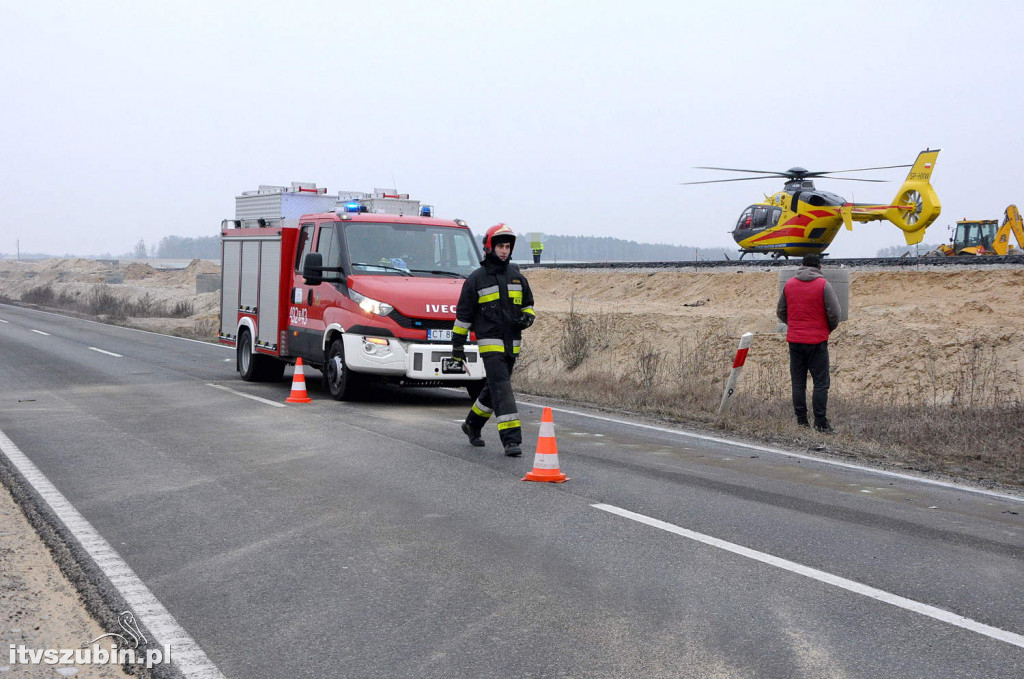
137,120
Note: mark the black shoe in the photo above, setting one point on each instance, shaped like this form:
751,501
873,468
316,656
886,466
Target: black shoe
473,434
825,428
513,450
802,422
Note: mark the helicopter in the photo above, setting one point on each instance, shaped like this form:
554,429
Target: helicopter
803,220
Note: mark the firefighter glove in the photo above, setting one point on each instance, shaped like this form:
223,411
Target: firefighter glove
459,354
524,321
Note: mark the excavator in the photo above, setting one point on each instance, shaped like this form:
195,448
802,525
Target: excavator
985,236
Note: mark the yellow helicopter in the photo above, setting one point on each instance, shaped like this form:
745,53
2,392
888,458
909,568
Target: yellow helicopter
802,220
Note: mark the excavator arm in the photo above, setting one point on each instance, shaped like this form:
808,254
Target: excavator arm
1011,223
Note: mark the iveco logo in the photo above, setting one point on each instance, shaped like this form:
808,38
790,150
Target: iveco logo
440,309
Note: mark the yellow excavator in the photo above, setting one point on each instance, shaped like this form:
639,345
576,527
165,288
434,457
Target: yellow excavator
985,236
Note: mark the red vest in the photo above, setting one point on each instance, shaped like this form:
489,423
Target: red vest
805,311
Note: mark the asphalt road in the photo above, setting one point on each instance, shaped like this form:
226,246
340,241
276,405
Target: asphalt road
368,539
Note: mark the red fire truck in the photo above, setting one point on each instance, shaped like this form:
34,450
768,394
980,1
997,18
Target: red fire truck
361,286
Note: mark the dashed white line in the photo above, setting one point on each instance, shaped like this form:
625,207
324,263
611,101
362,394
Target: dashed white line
186,653
108,353
238,393
39,332
822,576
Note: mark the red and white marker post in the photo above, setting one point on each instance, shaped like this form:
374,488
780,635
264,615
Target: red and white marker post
737,370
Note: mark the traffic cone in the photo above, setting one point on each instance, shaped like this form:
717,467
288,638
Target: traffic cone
545,462
299,385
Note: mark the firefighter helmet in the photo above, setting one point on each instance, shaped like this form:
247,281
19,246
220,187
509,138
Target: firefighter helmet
498,232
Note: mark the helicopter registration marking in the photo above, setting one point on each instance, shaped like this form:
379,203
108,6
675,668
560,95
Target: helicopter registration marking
920,175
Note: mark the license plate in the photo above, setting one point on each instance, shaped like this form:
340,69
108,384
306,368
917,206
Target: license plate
440,335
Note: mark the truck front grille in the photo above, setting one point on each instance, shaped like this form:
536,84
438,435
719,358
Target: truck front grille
420,323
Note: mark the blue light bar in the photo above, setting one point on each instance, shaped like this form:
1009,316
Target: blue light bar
352,207
426,210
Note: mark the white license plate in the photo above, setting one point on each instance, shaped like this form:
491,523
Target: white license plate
440,335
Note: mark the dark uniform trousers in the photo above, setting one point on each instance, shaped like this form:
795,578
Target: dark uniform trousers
497,399
812,358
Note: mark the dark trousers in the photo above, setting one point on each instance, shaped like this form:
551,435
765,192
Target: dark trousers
497,398
813,358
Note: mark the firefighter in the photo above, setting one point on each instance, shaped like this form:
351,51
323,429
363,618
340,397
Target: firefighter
496,303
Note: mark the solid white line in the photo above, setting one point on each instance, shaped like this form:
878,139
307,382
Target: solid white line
108,353
776,451
40,332
238,393
185,652
827,578
3,321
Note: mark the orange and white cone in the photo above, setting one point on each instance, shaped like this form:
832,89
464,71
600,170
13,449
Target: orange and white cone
545,462
299,394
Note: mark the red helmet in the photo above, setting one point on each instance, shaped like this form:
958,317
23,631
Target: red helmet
498,232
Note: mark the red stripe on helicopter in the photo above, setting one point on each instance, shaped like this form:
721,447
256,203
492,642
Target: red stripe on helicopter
823,213
780,233
798,220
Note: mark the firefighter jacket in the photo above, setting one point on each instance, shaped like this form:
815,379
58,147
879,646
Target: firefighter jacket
495,302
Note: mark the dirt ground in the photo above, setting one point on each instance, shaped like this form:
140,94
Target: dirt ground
911,335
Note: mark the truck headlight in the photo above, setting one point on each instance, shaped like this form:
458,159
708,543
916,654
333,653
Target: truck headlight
370,305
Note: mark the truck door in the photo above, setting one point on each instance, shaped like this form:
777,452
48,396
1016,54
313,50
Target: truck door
300,335
326,294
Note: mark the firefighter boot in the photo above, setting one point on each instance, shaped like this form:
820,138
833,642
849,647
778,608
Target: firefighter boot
473,435
513,450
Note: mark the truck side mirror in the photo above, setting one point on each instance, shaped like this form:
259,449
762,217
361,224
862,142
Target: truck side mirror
312,268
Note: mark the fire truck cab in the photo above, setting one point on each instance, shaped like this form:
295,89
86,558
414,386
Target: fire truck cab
365,289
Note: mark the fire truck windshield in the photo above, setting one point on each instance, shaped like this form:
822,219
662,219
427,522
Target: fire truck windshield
410,249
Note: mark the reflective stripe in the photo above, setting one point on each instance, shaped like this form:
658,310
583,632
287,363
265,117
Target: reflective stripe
545,461
489,342
547,429
509,417
484,409
463,324
515,350
480,412
482,292
489,298
529,310
514,286
460,331
512,424
516,343
489,349
516,297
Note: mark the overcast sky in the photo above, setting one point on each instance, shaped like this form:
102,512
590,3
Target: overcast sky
128,120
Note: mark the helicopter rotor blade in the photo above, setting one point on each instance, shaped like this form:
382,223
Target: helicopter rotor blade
860,169
736,179
853,179
732,169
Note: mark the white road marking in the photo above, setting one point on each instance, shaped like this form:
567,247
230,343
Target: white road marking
40,332
238,393
185,652
3,321
765,449
822,576
108,353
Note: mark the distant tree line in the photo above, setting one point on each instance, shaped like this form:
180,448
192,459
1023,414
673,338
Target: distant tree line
919,250
180,247
606,248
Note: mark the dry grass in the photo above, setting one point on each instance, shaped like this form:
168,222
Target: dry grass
965,419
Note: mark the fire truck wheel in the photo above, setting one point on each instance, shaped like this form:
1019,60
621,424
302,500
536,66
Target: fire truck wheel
474,388
340,381
256,367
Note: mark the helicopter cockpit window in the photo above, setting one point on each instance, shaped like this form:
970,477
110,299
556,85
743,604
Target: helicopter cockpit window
746,220
761,216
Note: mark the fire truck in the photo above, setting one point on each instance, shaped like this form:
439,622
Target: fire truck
361,286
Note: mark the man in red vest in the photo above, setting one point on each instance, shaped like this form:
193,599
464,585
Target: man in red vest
810,309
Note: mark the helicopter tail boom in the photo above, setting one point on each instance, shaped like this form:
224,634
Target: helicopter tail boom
913,209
